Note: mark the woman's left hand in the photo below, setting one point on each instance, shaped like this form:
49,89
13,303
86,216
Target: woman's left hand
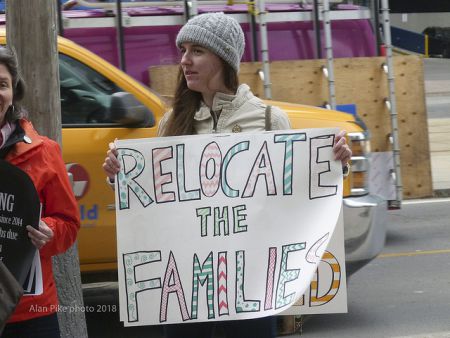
341,149
40,237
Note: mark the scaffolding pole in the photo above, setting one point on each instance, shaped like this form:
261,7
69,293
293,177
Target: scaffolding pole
190,9
375,10
60,20
264,48
392,104
329,69
120,36
252,19
316,27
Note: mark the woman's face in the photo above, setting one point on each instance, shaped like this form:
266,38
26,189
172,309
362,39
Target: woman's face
202,69
6,92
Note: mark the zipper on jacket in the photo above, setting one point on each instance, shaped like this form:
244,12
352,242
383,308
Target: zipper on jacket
215,120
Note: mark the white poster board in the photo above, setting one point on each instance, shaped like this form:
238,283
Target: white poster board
221,227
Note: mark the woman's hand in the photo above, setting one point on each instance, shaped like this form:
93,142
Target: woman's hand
341,149
40,237
111,166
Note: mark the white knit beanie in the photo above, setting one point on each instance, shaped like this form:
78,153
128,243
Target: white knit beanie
217,32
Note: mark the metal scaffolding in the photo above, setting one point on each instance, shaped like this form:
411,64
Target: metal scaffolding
264,48
329,70
392,105
259,17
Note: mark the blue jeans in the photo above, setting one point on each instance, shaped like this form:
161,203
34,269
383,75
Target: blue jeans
248,328
41,327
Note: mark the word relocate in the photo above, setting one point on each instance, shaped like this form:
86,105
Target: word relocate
213,171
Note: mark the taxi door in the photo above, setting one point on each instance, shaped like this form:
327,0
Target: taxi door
88,127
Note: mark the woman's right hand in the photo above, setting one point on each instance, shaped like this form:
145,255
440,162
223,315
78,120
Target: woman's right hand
111,166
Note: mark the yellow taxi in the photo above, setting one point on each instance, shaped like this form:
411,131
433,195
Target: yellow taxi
100,103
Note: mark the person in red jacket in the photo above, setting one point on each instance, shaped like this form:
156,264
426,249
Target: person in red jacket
40,158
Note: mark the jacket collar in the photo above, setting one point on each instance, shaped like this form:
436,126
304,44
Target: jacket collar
224,102
24,139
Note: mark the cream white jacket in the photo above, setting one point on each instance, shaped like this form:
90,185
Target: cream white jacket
242,112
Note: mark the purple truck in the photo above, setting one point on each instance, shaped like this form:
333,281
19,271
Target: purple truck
149,33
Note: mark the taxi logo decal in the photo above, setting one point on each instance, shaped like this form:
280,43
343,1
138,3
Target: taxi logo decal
80,179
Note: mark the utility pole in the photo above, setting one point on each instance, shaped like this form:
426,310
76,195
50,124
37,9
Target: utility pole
31,28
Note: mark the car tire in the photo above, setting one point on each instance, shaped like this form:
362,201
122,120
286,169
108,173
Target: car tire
446,52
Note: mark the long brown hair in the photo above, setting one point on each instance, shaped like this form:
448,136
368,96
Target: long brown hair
187,102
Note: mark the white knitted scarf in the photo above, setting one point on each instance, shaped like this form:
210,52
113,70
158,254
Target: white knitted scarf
5,132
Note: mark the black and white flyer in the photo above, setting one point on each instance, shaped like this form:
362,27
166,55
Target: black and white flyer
19,207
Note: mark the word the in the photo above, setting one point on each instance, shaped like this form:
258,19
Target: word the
221,217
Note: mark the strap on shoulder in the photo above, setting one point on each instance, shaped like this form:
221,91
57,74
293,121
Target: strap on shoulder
268,117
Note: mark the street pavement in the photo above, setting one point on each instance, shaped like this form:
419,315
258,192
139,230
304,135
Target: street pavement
405,291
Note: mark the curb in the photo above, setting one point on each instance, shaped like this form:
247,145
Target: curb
436,87
441,193
437,93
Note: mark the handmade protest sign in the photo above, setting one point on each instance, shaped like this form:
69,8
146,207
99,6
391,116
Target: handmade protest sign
220,227
19,207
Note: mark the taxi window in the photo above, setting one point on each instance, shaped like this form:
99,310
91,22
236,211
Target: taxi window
85,93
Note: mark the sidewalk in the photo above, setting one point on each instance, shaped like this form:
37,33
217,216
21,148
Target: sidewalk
437,88
439,138
439,135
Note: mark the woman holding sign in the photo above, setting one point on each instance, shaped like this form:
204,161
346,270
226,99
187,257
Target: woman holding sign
40,158
209,99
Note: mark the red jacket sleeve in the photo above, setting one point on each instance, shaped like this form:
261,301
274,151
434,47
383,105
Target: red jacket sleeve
59,210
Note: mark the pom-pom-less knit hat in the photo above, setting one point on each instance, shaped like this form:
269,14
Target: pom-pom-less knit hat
217,32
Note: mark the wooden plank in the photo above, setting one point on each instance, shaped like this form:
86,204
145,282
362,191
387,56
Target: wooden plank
413,126
163,79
